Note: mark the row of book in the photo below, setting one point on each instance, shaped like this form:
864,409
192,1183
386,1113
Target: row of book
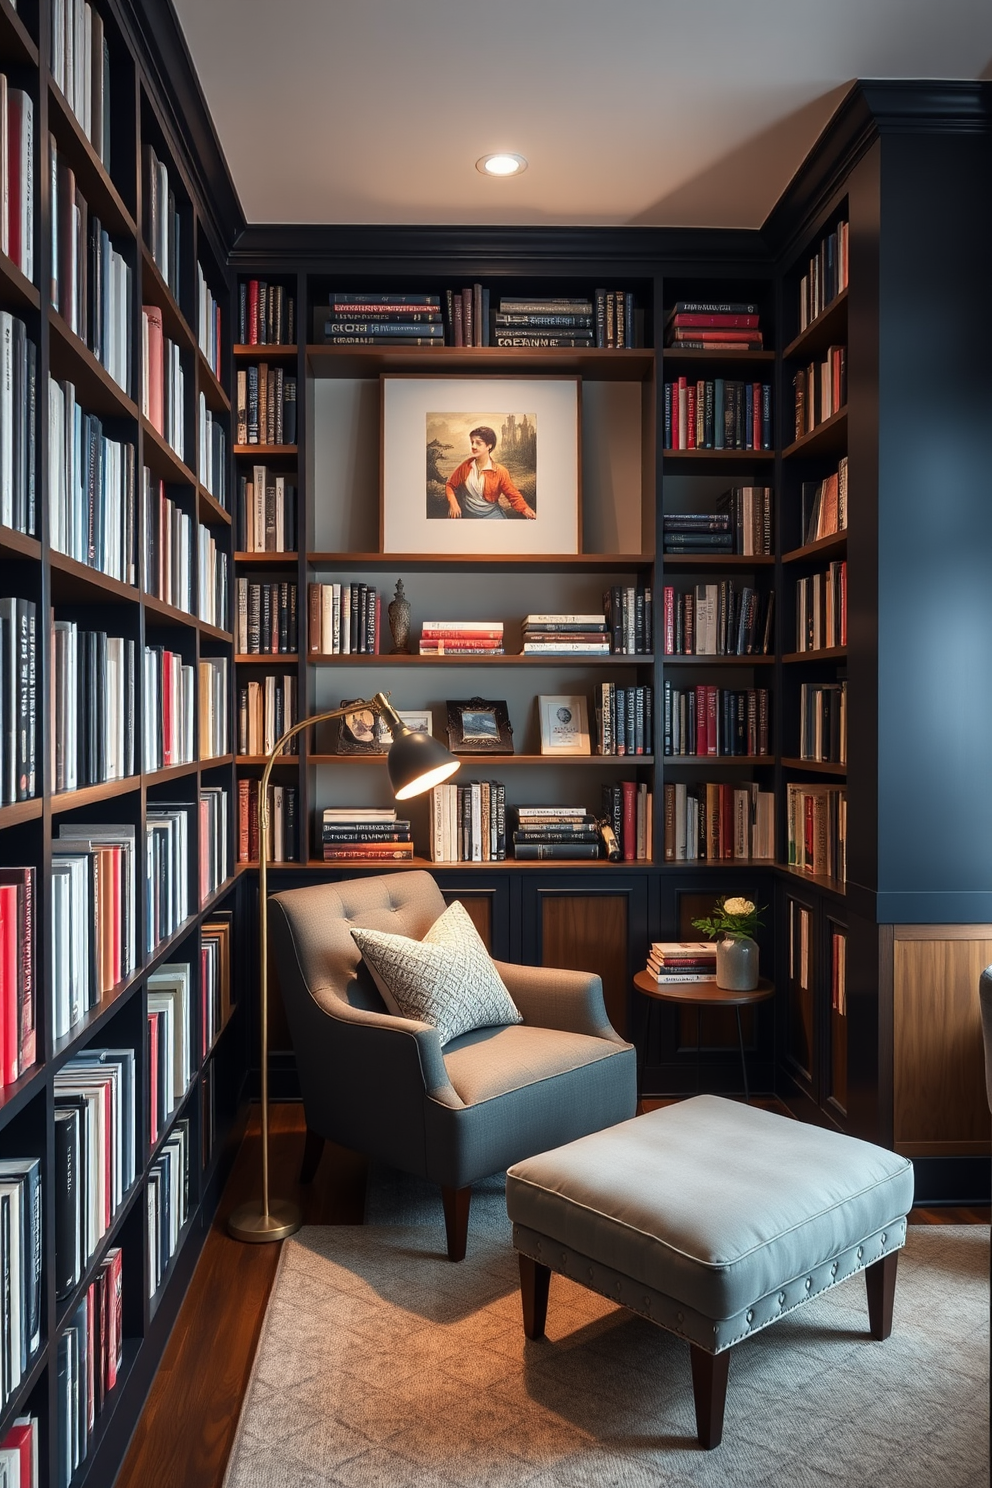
215,978
168,1202
209,335
721,722
266,620
17,200
79,59
820,390
721,619
89,1359
215,729
823,722
162,227
343,619
714,325
705,533
163,381
364,832
682,960
96,1137
168,830
18,1018
741,523
629,613
565,635
21,1251
266,314
559,832
461,638
707,821
816,837
212,462
717,414
91,488
92,285
213,581
826,276
266,709
93,713
265,405
605,320
267,517
823,505
94,942
282,843
627,808
18,701
167,553
821,608
18,424
214,857
467,823
171,1057
168,696
624,719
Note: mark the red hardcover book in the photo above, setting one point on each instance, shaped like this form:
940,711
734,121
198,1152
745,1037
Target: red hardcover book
680,431
153,1019
756,416
115,1324
722,335
91,1344
843,603
456,632
23,880
8,984
668,601
712,725
156,367
628,829
699,696
243,785
20,1439
718,322
100,1323
252,312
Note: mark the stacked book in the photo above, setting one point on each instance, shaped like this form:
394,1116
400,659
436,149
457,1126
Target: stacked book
555,832
281,840
714,325
545,322
370,832
376,319
682,960
565,635
698,532
461,638
468,822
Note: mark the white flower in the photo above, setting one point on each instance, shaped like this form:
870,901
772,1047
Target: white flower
738,906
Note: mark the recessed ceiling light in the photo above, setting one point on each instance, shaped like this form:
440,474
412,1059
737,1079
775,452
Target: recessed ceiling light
501,165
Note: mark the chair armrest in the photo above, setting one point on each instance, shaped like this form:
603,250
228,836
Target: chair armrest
548,997
406,1054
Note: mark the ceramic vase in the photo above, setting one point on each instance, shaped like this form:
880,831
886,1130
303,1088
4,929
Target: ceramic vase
398,611
737,963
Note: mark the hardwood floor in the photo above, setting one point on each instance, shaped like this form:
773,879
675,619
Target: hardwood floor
186,1430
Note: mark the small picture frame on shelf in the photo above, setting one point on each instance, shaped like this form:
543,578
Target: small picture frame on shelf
478,726
564,724
486,466
420,723
359,732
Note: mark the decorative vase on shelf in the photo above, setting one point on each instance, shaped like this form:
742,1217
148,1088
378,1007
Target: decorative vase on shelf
398,611
737,963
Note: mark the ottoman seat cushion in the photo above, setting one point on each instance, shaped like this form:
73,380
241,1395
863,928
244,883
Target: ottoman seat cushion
716,1205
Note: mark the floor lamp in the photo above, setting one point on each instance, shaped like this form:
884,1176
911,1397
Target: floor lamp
416,761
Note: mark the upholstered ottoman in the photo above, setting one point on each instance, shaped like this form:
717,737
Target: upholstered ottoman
713,1219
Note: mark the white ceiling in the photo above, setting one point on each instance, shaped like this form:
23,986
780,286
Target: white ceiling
693,113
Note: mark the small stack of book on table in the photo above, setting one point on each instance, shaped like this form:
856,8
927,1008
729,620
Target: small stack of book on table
377,319
565,635
682,960
461,638
555,832
370,832
714,325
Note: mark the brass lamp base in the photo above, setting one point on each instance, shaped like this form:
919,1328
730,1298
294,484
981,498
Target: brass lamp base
250,1223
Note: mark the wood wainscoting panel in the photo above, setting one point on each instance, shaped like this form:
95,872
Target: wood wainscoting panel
589,933
939,1106
479,908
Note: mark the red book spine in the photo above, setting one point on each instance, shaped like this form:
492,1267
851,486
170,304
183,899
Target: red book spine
252,312
808,830
680,441
243,785
115,1327
712,735
668,595
90,1357
628,829
843,603
756,416
719,320
8,985
156,367
700,701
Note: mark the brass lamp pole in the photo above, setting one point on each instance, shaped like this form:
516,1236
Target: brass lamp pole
416,761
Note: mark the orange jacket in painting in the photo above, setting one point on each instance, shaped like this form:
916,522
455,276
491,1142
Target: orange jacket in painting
495,482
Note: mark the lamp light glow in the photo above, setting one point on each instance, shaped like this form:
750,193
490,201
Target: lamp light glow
501,164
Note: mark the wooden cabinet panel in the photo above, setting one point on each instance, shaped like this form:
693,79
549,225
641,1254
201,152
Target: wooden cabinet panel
589,933
940,1105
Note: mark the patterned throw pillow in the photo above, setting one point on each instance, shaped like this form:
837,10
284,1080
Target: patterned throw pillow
447,979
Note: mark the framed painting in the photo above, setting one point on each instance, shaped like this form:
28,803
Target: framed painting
478,726
486,465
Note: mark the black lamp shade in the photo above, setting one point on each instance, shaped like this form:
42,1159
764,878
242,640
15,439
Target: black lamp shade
417,762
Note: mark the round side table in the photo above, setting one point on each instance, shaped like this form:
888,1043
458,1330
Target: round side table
699,995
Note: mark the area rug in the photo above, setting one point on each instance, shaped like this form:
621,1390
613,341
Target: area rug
382,1365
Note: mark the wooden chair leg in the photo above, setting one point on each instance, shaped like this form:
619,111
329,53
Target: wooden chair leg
311,1156
880,1284
457,1202
535,1281
709,1392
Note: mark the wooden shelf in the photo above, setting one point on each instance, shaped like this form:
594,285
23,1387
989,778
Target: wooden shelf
824,547
17,287
168,612
102,196
475,658
717,560
86,795
160,457
828,438
474,761
74,582
209,508
818,880
829,653
395,865
156,291
266,353
680,659
590,362
718,460
828,329
269,560
215,632
72,361
217,399
20,811
268,658
718,759
549,562
819,767
267,451
14,544
673,355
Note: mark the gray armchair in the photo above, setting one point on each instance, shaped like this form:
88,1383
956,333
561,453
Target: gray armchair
384,1086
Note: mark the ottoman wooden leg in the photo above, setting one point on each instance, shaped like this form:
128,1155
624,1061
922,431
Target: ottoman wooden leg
535,1280
880,1283
709,1391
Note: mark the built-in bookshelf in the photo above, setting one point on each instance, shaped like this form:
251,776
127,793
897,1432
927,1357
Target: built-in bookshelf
117,854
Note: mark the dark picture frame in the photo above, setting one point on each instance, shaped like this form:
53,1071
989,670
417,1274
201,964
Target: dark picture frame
478,726
359,732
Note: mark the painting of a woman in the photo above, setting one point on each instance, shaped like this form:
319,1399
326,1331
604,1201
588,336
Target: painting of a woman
475,486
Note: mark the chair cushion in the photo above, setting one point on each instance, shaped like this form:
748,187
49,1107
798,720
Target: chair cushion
447,979
490,1062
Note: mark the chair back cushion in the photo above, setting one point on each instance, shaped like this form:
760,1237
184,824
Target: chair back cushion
321,918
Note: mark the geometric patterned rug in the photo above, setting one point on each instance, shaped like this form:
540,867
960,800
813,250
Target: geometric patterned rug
381,1365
